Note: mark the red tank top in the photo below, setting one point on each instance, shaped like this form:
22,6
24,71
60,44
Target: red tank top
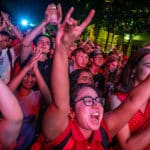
140,120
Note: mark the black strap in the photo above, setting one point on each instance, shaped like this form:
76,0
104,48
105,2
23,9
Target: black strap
104,138
9,57
63,143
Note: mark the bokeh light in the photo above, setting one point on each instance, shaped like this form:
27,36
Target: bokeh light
24,22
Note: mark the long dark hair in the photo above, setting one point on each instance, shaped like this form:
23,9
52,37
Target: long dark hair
126,82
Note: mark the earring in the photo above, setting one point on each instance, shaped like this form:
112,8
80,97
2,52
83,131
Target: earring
71,115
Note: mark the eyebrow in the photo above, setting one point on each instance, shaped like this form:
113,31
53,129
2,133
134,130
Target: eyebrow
43,41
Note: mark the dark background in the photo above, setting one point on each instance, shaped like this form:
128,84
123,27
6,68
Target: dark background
109,13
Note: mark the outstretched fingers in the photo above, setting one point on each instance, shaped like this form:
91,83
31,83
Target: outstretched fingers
59,13
68,16
87,19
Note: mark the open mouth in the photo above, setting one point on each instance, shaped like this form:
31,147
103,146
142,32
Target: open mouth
95,117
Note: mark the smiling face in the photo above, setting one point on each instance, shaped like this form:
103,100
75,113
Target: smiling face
44,44
88,117
142,71
29,80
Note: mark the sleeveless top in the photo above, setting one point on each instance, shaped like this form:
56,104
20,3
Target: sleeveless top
140,121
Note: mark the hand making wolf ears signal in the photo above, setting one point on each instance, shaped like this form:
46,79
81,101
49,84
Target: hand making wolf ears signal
69,30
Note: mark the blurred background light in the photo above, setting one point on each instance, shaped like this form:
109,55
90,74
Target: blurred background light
126,37
32,25
24,22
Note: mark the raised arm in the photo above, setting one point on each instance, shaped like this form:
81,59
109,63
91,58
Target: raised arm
11,122
14,28
32,64
2,26
117,118
15,82
30,36
42,85
27,49
128,141
56,117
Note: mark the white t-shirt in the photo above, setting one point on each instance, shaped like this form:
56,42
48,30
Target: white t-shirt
5,67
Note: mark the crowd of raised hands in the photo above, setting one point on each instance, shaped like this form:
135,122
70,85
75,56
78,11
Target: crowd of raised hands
39,107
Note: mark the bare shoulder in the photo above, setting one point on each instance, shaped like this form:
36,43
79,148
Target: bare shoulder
114,101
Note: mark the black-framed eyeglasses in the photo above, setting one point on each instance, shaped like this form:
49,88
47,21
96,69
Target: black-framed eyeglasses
89,101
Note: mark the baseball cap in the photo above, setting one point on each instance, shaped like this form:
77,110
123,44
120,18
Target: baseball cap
95,53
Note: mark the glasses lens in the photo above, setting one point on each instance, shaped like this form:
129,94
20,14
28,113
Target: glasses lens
88,101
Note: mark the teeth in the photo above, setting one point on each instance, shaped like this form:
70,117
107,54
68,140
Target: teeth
96,114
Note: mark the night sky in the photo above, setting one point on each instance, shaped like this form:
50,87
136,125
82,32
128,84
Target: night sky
33,10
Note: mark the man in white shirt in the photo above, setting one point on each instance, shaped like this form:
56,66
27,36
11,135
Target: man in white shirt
6,58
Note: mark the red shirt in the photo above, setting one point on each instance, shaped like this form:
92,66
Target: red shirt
140,121
77,141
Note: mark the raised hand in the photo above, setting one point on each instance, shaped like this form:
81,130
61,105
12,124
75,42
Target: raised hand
69,31
6,18
50,10
34,59
3,23
3,26
59,13
14,29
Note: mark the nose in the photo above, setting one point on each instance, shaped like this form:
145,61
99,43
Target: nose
43,43
96,104
29,78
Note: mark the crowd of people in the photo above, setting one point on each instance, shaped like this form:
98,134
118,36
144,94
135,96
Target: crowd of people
61,92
